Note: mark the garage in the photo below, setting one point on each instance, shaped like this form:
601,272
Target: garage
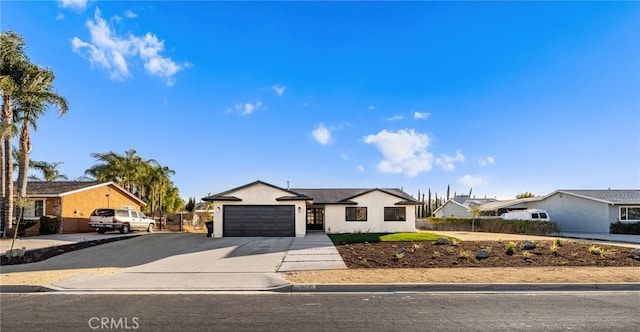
259,220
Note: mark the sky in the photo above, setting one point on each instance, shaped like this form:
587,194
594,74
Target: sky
500,98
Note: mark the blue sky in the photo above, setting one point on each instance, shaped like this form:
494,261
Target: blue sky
501,97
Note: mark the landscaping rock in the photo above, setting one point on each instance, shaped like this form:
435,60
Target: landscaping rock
482,254
401,251
528,245
442,241
635,253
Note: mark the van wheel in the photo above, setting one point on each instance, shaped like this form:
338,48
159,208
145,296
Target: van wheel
101,230
150,229
124,229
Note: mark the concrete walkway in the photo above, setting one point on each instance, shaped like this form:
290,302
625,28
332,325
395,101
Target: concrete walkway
312,252
54,240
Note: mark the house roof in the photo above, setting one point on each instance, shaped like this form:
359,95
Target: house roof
616,196
450,202
319,195
63,188
345,195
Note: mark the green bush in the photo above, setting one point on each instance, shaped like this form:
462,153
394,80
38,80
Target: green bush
625,228
49,225
495,225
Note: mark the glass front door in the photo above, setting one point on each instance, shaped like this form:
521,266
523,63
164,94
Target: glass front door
315,219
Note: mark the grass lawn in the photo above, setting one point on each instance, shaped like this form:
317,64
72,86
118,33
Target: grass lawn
384,237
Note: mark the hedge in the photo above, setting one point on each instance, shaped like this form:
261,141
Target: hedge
49,225
625,228
495,225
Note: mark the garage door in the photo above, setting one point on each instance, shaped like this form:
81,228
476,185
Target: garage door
259,220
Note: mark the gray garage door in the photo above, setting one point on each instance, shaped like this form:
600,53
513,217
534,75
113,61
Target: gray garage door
259,220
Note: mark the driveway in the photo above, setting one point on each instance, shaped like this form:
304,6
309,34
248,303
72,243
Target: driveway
173,261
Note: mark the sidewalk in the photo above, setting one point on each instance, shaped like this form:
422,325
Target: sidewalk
53,240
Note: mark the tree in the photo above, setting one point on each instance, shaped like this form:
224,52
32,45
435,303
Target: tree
429,209
49,171
35,94
126,170
191,204
526,194
475,213
448,191
13,61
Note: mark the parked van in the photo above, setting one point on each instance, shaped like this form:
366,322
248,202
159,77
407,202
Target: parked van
530,214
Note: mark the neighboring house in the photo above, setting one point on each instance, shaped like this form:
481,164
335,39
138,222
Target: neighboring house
72,202
262,209
590,211
460,205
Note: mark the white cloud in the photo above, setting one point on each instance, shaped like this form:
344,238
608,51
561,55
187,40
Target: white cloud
248,108
77,5
322,134
404,151
447,162
114,53
130,14
279,89
371,108
395,117
60,17
486,161
360,169
421,116
471,181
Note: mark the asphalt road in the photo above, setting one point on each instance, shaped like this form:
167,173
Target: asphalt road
321,312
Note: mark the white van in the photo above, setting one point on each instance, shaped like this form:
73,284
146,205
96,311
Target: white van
530,214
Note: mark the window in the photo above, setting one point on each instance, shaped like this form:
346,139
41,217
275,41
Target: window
356,214
543,215
534,216
395,214
32,211
628,213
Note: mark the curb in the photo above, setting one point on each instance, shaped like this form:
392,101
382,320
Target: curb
369,288
456,288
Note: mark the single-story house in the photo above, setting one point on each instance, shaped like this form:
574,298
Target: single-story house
591,211
460,206
262,209
72,202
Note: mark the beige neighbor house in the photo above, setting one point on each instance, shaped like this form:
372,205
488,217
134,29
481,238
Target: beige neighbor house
73,201
262,209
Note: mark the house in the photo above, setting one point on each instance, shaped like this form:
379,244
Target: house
459,206
590,211
72,202
262,209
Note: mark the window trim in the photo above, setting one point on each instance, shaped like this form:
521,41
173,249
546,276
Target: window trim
626,214
398,208
357,208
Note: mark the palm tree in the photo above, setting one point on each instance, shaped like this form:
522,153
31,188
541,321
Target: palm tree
126,170
36,93
49,171
13,61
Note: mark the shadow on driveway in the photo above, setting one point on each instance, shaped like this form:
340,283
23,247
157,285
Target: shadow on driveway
175,252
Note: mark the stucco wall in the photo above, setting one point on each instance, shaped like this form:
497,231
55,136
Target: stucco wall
576,214
375,201
260,194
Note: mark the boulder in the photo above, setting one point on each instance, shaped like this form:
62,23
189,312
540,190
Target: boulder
482,254
442,241
528,245
635,253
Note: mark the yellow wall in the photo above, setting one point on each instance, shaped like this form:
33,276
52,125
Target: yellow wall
75,209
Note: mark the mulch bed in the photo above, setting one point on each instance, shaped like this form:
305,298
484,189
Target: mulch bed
428,254
41,254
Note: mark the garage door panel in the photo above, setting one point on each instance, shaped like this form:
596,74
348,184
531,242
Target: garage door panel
259,220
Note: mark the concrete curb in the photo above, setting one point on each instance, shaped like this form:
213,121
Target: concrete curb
457,288
364,288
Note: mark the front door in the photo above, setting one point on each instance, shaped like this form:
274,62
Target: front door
315,219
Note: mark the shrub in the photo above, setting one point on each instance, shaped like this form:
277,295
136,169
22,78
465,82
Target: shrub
24,224
49,225
625,228
510,248
495,225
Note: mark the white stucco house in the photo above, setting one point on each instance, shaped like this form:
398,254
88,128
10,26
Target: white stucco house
262,209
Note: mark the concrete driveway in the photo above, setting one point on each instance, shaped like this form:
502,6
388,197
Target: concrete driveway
173,261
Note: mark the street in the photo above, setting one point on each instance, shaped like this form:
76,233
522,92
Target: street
586,311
